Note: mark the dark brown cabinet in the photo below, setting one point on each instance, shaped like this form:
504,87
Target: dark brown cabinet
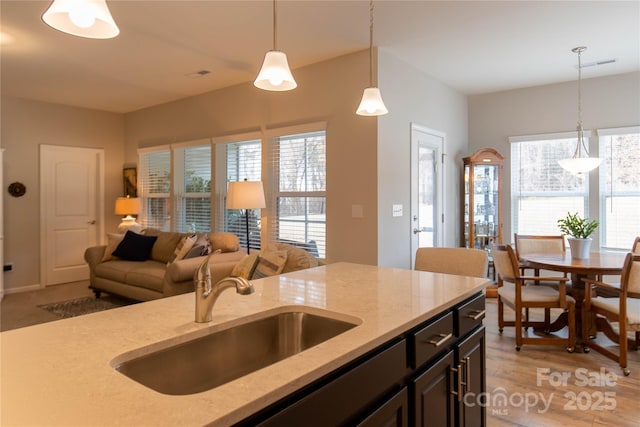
430,375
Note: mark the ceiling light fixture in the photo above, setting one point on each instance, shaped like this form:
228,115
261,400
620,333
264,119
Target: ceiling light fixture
580,163
275,74
371,103
82,18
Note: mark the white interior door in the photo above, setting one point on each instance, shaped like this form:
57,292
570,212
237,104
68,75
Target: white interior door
71,201
427,220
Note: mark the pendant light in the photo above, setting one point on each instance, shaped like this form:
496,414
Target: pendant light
83,18
275,74
580,163
371,103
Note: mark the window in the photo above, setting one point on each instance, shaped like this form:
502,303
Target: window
155,187
192,188
236,161
619,187
298,196
542,192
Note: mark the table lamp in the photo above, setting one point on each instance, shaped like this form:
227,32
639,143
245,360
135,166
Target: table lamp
128,206
246,195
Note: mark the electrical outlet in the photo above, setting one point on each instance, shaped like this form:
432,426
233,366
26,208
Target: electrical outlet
8,267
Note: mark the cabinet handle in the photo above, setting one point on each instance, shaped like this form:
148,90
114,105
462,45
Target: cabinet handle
476,314
443,338
459,387
467,373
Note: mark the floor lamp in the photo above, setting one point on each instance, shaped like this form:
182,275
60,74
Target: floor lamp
245,195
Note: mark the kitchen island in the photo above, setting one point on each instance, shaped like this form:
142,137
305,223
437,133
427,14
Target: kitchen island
61,373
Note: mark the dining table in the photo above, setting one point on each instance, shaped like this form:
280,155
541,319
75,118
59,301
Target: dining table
597,265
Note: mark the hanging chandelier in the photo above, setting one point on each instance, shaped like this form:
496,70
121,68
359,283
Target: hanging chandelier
371,103
275,74
580,162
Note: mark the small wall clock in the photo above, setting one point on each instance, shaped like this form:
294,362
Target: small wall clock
17,189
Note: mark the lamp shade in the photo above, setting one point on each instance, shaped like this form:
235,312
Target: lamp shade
578,165
371,103
128,206
275,74
245,195
83,18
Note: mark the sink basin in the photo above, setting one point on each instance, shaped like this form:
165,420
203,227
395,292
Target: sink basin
208,361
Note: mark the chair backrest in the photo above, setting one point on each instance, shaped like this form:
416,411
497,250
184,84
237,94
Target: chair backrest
636,246
505,262
529,244
460,261
630,277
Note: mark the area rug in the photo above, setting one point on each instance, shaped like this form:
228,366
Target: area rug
85,305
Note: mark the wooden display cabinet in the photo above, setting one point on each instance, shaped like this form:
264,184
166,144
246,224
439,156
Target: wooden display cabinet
482,203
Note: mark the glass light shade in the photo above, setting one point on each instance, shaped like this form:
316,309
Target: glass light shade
245,195
275,74
83,18
578,165
128,206
371,104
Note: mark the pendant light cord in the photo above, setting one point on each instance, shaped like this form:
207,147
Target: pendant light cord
275,26
371,43
581,145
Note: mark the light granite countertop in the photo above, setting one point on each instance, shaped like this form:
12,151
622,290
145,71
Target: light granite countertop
60,373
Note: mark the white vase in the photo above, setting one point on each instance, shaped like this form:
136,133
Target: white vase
579,248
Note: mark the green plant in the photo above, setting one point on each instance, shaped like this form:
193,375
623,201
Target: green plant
577,227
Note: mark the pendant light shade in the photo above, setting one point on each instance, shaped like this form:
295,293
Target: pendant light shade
82,18
275,74
371,103
580,162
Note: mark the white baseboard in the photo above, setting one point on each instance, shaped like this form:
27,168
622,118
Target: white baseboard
35,287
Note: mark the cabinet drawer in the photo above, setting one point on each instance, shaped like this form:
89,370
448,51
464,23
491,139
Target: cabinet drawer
431,340
345,396
469,315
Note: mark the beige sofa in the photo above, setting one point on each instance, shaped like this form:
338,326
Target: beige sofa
161,274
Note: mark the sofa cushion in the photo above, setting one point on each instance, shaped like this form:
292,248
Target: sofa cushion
270,263
113,240
149,275
297,258
184,246
164,248
227,242
246,267
135,247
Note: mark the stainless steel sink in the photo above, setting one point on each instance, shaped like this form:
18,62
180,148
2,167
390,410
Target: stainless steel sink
206,362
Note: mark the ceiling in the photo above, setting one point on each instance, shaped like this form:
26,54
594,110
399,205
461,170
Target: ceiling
474,46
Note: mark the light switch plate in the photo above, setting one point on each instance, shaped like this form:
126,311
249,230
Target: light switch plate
397,210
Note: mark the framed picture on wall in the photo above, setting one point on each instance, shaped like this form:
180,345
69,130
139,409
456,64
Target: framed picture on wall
130,180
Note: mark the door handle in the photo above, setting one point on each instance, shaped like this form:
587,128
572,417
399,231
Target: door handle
417,230
93,221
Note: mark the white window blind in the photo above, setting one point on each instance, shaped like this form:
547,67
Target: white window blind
237,161
192,189
155,188
619,187
298,190
541,190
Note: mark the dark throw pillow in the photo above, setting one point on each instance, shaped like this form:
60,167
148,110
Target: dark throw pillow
135,247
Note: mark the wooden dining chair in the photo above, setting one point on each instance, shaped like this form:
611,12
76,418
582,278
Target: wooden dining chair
613,280
529,244
513,293
624,309
460,261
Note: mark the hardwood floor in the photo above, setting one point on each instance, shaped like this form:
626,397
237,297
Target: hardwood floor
524,389
546,386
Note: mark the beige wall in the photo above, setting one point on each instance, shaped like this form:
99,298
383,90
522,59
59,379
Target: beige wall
413,97
329,91
607,102
25,126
